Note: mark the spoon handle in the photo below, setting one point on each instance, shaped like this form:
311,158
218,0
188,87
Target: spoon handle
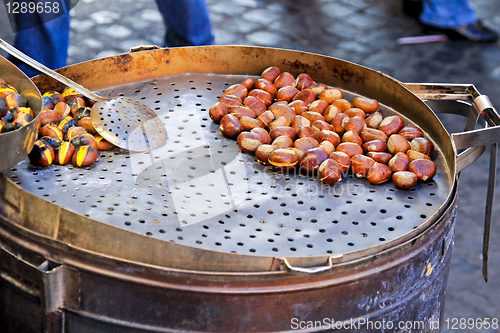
44,69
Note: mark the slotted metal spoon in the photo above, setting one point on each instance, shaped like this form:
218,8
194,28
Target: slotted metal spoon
123,121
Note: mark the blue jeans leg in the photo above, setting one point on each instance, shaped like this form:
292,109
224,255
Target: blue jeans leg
447,13
47,43
187,22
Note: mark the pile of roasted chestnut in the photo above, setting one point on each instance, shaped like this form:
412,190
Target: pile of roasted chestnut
295,123
14,109
65,132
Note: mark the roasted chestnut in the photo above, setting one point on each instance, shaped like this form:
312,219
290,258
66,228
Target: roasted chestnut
82,112
391,125
331,94
350,148
85,139
84,156
230,100
47,103
284,79
369,134
282,141
318,106
248,83
230,126
70,92
415,155
52,141
380,157
321,125
266,86
281,109
51,130
303,81
399,162
64,153
411,132
75,103
342,104
248,142
352,137
311,160
330,112
286,93
306,143
327,146
250,123
422,145
271,73
360,165
263,151
280,121
299,122
338,123
342,159
307,132
404,179
366,104
42,154
355,124
424,169
355,112
283,159
374,145
74,131
265,138
256,104
86,122
306,95
240,111
264,96
298,106
312,116
374,119
66,123
63,109
283,130
378,173
327,135
330,172
237,90
16,100
397,144
266,117
102,144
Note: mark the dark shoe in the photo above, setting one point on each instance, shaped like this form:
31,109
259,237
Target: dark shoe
475,32
412,8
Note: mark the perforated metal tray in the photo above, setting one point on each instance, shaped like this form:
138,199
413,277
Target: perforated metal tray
199,190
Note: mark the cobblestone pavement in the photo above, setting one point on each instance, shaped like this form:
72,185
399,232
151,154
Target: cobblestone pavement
361,31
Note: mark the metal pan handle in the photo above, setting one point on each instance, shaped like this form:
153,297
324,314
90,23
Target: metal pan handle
473,141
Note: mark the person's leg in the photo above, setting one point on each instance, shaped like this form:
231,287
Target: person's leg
457,19
46,42
187,22
447,13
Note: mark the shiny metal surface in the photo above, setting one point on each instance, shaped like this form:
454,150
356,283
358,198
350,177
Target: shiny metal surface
240,224
128,124
15,145
200,191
